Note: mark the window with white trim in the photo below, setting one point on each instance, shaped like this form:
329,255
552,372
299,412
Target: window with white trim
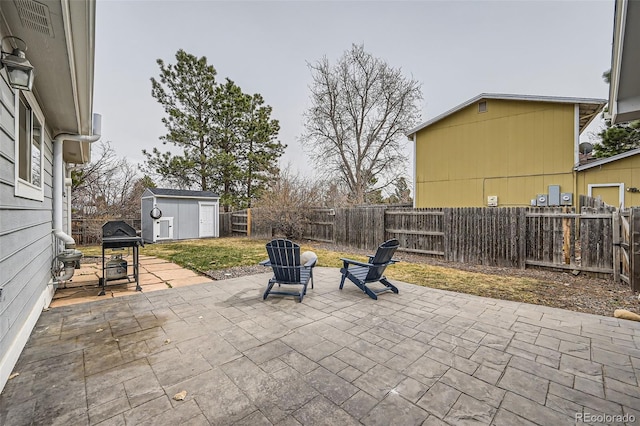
29,150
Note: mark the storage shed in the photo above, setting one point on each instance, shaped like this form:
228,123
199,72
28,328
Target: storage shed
176,214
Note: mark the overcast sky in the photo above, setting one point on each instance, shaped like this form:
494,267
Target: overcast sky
456,49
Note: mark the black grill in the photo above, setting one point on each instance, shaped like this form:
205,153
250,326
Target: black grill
116,235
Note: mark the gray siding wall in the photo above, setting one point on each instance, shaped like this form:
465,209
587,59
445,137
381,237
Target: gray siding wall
169,208
146,222
188,219
26,241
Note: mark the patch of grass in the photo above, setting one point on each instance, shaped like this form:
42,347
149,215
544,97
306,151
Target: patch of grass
222,253
495,286
202,255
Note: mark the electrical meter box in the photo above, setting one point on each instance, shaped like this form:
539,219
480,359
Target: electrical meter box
566,199
541,200
492,201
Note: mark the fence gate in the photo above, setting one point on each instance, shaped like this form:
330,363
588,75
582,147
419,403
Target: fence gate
628,254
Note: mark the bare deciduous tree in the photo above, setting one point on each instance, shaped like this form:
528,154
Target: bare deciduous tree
285,205
360,110
104,186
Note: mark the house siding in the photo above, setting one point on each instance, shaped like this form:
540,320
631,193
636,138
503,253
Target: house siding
26,242
625,170
513,150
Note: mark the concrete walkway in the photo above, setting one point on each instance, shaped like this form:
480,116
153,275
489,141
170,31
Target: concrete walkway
339,358
155,274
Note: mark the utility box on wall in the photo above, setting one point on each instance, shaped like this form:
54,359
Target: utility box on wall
492,201
554,195
566,199
541,200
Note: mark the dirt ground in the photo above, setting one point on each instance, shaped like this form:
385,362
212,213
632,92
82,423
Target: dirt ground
562,289
581,293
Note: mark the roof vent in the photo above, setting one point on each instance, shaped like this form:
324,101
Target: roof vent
35,16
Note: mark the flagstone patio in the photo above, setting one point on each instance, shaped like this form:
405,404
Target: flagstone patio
423,356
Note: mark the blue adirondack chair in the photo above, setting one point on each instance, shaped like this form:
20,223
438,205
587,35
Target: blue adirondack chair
284,259
361,273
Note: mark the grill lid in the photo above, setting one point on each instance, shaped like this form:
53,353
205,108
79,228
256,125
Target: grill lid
117,228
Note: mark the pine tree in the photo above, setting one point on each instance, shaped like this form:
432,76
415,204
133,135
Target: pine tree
227,138
617,138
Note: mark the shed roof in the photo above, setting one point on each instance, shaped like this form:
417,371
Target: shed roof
589,107
184,193
608,160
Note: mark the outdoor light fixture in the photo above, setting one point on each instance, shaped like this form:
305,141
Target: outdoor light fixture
19,69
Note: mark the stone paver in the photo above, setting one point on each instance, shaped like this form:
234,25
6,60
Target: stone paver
423,356
155,274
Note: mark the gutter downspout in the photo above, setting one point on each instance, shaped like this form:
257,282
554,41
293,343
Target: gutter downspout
68,182
58,175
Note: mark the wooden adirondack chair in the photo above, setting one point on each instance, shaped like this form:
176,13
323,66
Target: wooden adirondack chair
284,259
361,273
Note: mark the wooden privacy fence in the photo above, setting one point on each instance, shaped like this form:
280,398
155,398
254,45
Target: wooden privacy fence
597,239
235,223
509,236
89,231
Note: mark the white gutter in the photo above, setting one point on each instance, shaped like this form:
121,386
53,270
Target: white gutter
415,170
68,182
58,175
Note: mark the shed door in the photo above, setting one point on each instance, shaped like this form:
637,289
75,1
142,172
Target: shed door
208,220
163,229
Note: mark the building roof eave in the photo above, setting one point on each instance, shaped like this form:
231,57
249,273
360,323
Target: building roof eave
589,107
607,160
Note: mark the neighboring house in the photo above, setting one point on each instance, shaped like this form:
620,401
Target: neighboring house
504,150
41,132
624,91
615,180
176,214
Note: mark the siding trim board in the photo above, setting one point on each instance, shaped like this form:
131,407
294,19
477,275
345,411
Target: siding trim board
21,270
576,144
620,186
7,157
415,171
25,207
22,228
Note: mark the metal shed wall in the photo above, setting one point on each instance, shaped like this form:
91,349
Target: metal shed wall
184,211
146,222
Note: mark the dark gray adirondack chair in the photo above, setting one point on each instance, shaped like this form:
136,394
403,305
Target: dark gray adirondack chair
361,273
284,259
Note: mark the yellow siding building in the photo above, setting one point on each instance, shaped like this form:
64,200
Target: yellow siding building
504,148
616,180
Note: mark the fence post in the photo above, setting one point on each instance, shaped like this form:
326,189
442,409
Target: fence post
634,259
566,237
615,225
249,222
522,239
